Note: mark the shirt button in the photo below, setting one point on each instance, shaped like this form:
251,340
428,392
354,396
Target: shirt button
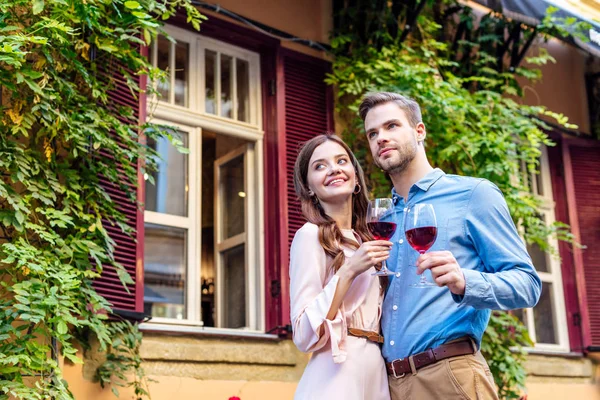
397,274
391,342
400,241
405,209
395,307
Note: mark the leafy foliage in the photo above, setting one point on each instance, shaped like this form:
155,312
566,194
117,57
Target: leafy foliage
467,78
58,137
123,360
502,347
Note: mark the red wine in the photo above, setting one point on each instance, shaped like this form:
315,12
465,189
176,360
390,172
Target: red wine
382,230
421,239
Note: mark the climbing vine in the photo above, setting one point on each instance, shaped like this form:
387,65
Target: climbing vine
467,72
59,136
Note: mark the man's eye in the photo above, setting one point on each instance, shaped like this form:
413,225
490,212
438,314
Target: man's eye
371,135
390,126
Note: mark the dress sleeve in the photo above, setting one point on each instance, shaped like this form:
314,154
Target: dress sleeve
311,297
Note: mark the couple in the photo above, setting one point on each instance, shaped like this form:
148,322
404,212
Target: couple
429,342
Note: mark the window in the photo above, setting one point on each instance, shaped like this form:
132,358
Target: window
207,76
546,322
202,255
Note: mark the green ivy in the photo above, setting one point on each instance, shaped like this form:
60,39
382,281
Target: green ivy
55,144
502,347
455,66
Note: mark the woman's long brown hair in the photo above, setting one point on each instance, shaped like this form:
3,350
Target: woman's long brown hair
330,235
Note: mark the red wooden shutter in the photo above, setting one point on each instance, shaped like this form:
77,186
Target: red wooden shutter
582,166
307,108
307,114
128,250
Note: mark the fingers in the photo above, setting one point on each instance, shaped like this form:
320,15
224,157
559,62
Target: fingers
448,279
434,259
378,256
385,243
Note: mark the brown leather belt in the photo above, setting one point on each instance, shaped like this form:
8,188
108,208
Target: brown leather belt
399,368
369,335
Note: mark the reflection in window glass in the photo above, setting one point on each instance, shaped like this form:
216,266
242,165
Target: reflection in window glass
181,74
169,194
226,86
544,315
164,271
234,284
162,62
539,257
210,93
243,90
233,201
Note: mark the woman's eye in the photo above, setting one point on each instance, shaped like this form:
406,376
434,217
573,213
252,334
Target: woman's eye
319,166
390,126
342,161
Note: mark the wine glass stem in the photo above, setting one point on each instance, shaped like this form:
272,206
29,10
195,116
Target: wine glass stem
423,280
383,266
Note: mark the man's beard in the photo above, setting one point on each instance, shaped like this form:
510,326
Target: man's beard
406,153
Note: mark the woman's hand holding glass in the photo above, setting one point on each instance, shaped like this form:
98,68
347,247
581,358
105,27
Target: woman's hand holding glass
366,256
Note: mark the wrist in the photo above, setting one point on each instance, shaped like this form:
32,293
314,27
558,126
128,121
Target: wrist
345,273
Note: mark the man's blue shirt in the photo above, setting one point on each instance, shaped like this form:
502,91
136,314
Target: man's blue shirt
474,224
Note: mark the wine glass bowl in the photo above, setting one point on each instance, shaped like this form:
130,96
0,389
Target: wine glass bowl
380,221
420,229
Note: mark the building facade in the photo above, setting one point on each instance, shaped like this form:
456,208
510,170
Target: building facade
211,257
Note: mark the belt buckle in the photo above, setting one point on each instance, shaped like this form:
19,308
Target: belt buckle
394,370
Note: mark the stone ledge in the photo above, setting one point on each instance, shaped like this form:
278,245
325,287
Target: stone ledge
220,350
224,371
557,367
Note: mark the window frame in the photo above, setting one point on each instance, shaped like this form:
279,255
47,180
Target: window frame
197,45
554,277
196,120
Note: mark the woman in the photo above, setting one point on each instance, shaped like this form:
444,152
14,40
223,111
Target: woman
335,301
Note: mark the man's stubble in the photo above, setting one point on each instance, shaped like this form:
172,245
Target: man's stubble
406,152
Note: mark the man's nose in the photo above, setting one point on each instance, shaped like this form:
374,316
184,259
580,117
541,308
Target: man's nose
381,137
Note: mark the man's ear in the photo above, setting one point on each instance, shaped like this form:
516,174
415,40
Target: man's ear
421,132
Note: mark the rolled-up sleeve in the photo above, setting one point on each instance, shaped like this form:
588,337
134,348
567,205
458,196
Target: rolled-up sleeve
507,278
311,297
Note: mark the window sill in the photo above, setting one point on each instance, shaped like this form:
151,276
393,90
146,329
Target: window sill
554,353
205,331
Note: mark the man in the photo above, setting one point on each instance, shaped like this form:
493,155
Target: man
478,261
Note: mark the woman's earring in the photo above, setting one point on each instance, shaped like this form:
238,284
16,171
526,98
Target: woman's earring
357,188
311,193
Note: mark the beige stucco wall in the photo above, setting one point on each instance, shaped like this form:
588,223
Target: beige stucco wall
204,367
306,19
562,87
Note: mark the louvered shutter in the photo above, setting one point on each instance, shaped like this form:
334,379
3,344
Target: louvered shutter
307,114
585,161
128,250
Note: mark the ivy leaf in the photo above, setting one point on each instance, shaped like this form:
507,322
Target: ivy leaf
38,6
62,328
132,5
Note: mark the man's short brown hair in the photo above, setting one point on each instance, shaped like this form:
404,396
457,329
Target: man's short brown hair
406,104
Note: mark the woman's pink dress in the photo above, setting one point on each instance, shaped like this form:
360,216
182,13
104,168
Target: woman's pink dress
341,366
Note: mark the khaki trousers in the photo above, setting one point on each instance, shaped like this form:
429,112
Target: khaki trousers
463,377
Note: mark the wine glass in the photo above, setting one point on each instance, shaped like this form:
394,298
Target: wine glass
380,221
420,228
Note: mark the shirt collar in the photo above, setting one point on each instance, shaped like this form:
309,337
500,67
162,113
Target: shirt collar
424,183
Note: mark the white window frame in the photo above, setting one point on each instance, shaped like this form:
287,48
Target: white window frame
554,277
196,91
194,119
193,239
